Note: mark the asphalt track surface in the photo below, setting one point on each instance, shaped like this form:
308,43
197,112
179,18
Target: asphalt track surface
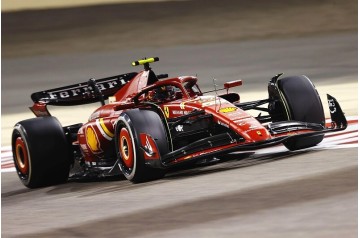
311,193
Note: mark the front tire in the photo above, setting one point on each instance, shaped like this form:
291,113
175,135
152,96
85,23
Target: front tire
40,152
301,103
128,145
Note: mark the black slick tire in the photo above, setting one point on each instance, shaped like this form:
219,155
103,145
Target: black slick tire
301,103
40,152
128,145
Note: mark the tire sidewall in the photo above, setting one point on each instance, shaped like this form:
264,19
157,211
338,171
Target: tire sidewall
301,103
124,122
19,131
139,121
47,149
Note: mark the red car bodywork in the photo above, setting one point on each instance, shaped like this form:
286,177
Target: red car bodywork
95,138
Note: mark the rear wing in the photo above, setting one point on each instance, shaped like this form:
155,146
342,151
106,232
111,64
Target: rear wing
82,93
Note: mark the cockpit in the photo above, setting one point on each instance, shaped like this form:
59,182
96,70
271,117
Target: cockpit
170,90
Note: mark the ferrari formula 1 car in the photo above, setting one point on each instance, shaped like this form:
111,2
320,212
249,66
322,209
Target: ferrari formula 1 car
149,123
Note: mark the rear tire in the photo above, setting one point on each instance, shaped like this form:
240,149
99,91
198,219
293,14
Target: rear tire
132,161
40,152
301,103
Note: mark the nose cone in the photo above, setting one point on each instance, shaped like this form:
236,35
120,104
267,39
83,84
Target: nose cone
251,129
258,134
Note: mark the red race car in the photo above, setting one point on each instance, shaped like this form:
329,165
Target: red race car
145,126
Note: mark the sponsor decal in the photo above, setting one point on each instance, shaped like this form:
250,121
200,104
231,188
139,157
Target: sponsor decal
92,140
167,113
179,128
149,150
182,105
176,112
259,133
228,109
332,106
82,90
149,146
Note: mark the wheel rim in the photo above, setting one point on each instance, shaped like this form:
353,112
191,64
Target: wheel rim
21,156
126,148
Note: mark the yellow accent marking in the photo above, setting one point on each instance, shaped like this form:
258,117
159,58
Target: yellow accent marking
228,109
107,132
182,105
167,113
144,61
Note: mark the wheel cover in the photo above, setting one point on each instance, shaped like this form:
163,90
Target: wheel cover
126,148
21,156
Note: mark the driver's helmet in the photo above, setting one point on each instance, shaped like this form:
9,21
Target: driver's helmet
164,93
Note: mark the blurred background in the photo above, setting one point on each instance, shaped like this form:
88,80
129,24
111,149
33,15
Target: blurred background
86,26
61,27
47,44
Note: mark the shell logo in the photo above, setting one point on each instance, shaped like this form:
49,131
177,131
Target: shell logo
228,109
92,140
